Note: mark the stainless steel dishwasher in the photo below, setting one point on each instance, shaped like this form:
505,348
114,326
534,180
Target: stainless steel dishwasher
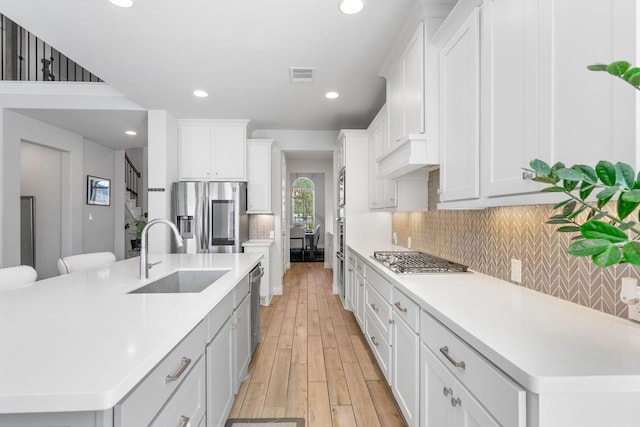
254,282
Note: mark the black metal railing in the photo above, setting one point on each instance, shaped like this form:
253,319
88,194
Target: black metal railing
24,56
131,177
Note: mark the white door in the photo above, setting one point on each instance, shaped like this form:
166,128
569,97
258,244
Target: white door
220,376
405,362
242,341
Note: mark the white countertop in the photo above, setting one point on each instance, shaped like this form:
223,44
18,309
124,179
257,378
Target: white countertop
258,242
79,342
546,344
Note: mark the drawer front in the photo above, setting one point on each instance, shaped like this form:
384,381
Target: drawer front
406,309
379,310
219,315
360,266
498,393
241,291
144,402
380,284
187,405
381,348
351,258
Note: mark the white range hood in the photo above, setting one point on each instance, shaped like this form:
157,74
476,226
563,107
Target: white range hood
408,155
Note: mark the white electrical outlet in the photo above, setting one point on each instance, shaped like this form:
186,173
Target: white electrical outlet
634,312
516,270
408,242
272,234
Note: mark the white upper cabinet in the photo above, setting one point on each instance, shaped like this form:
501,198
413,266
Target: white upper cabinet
382,192
212,150
259,175
405,90
459,114
536,97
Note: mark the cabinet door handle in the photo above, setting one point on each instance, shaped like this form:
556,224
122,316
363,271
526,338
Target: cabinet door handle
447,391
373,340
373,306
183,367
445,351
185,421
455,401
404,310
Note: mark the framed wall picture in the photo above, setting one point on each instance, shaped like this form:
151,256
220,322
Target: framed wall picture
98,191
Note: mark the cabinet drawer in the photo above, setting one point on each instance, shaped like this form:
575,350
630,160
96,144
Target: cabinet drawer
187,405
380,311
351,258
380,284
498,393
219,315
360,266
381,348
406,309
144,402
241,291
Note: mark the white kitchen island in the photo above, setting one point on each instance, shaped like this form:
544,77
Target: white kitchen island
466,346
79,344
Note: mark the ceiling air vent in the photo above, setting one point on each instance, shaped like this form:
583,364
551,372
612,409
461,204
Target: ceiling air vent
301,74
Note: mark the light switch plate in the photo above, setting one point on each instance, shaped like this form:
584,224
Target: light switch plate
516,270
272,234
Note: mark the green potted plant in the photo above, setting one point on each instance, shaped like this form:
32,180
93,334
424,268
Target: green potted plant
135,228
609,238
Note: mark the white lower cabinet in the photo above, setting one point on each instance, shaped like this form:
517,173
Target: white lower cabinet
220,375
242,341
405,363
359,291
444,402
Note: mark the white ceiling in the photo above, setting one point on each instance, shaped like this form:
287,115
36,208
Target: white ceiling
240,51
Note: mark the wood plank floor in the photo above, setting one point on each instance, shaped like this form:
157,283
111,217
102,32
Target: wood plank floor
313,362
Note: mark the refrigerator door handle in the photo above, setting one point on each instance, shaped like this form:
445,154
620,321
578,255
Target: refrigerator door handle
205,221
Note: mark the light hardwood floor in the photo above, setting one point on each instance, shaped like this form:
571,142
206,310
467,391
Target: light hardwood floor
314,362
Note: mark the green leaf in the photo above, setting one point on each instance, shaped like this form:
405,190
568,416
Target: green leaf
612,255
588,247
635,80
625,208
570,174
597,67
625,175
630,73
568,229
559,221
569,208
631,196
617,68
545,179
586,189
540,167
606,194
588,172
600,215
577,237
569,185
557,166
631,252
606,172
552,190
602,230
561,204
578,212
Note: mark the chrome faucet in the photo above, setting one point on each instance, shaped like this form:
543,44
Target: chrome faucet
144,263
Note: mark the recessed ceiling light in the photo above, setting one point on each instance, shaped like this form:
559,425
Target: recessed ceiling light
351,6
331,95
122,3
131,132
200,93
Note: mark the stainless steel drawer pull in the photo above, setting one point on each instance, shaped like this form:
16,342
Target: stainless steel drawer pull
373,306
183,367
447,391
185,421
455,401
404,310
445,351
373,340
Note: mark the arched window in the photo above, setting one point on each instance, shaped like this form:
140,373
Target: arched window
303,204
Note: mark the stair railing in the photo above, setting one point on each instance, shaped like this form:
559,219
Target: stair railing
131,177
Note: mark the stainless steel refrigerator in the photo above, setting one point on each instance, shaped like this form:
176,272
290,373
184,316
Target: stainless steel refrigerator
211,216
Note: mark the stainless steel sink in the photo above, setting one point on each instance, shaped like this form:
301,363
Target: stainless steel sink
182,282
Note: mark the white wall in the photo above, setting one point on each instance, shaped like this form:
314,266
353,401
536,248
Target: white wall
98,221
40,177
288,140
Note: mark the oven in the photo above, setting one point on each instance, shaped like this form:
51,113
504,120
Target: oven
340,251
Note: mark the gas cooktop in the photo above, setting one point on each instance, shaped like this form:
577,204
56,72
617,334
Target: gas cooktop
414,262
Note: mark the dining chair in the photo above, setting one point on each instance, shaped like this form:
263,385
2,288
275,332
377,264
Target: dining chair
12,277
316,240
69,264
297,238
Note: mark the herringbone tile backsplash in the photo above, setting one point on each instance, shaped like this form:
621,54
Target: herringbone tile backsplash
486,240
